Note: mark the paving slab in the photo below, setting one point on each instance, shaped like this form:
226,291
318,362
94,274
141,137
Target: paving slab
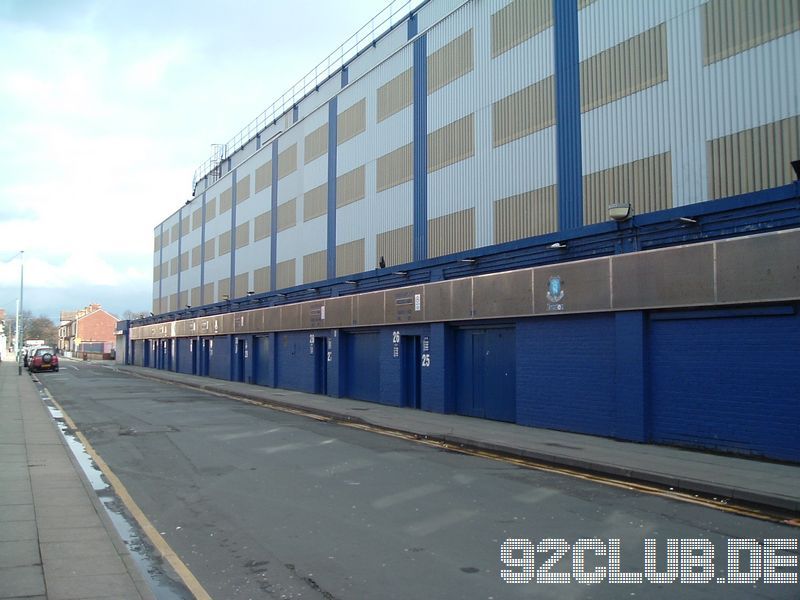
22,582
19,553
13,531
54,543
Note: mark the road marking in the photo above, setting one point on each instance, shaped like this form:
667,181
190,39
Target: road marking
654,490
150,531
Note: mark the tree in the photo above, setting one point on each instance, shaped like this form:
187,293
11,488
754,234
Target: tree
34,328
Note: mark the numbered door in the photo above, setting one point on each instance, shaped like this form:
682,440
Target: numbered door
411,359
320,365
205,357
262,362
486,378
239,355
193,355
362,358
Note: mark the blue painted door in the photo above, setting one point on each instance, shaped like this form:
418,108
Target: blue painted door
205,357
320,365
238,359
262,361
486,377
363,366
728,383
411,359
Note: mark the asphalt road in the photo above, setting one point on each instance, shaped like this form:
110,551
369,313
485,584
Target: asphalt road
264,504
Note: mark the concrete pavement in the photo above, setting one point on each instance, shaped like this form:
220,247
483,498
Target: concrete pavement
56,542
764,484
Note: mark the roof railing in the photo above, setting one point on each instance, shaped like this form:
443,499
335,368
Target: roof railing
390,15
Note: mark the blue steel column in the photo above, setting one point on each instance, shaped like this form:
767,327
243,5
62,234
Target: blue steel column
232,285
273,222
180,244
160,264
412,26
420,148
203,250
568,115
333,112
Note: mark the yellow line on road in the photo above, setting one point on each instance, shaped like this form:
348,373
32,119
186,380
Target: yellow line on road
609,480
150,531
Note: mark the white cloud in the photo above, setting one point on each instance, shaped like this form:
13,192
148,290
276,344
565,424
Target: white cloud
106,110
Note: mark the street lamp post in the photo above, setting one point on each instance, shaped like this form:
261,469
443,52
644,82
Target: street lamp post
17,336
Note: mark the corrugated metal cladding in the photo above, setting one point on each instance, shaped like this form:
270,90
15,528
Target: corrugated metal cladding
677,103
682,106
491,118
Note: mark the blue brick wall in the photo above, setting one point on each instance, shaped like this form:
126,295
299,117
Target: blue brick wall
720,379
438,392
565,373
730,383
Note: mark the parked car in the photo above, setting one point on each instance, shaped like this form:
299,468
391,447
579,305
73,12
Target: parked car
43,359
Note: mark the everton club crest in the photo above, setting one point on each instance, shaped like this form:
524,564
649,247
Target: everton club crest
555,293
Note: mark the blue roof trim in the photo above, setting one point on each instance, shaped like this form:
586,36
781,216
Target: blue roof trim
757,212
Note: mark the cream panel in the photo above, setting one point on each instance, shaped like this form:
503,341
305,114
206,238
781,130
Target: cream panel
451,144
519,21
243,189
396,246
285,274
350,187
396,94
395,168
315,202
287,215
261,280
526,215
753,159
242,235
316,144
645,183
733,26
315,266
225,199
450,62
525,112
350,258
287,161
264,176
630,67
451,233
351,121
262,226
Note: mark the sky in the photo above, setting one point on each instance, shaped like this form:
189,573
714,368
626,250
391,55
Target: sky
107,107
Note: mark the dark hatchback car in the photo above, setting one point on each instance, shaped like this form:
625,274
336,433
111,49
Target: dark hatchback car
43,359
